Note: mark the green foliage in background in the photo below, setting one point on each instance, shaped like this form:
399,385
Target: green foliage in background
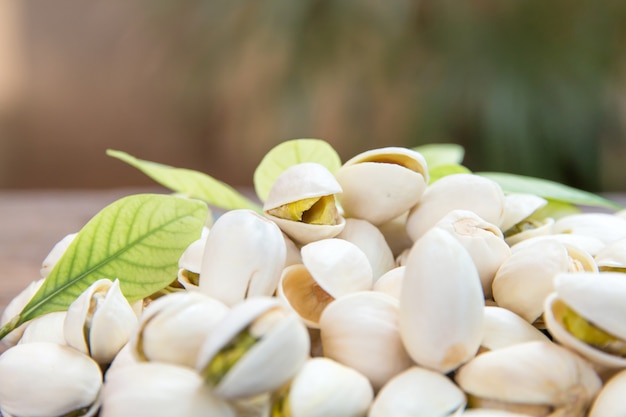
525,87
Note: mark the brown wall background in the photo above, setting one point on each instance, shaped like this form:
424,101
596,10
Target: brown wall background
214,85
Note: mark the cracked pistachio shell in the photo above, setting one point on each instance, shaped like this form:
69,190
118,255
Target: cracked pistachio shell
100,321
280,346
612,257
518,206
391,282
324,388
153,389
331,268
372,242
46,328
543,227
525,280
442,302
381,184
419,392
55,254
504,328
285,204
244,256
606,227
482,240
535,378
190,262
361,326
599,299
14,308
47,380
173,328
610,400
456,192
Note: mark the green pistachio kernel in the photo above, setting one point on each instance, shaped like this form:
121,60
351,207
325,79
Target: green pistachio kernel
523,226
315,210
280,403
589,333
228,357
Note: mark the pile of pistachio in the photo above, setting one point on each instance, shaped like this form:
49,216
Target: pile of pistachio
369,291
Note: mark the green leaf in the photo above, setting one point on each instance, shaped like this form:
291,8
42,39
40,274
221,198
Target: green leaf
555,209
441,153
514,183
289,153
191,183
440,171
137,239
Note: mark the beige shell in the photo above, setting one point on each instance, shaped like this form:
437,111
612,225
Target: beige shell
243,257
482,240
599,299
191,261
441,305
419,392
612,257
100,321
281,349
331,269
456,192
610,400
536,375
299,182
606,227
55,254
324,388
14,308
173,327
47,380
372,242
381,184
158,390
391,282
361,326
543,227
503,328
589,244
518,206
396,235
46,328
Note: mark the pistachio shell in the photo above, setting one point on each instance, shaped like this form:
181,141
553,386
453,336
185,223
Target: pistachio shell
47,380
45,328
606,227
152,389
173,328
482,240
244,256
518,206
531,375
372,242
281,348
324,388
504,328
441,305
418,392
381,184
14,308
589,244
391,282
610,400
55,254
100,321
612,256
543,227
396,235
297,183
459,191
191,261
362,326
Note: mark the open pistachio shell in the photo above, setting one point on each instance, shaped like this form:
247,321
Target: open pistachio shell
612,257
100,321
48,380
302,203
534,228
589,244
482,240
458,191
442,302
372,242
331,269
381,184
361,326
153,389
538,378
173,327
586,313
606,227
518,207
610,400
243,257
256,348
324,388
190,262
419,392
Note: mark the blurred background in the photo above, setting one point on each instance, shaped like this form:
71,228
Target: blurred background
529,87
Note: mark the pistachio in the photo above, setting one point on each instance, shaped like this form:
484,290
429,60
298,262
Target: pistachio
610,400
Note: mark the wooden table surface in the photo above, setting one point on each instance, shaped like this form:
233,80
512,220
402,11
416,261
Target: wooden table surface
31,222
